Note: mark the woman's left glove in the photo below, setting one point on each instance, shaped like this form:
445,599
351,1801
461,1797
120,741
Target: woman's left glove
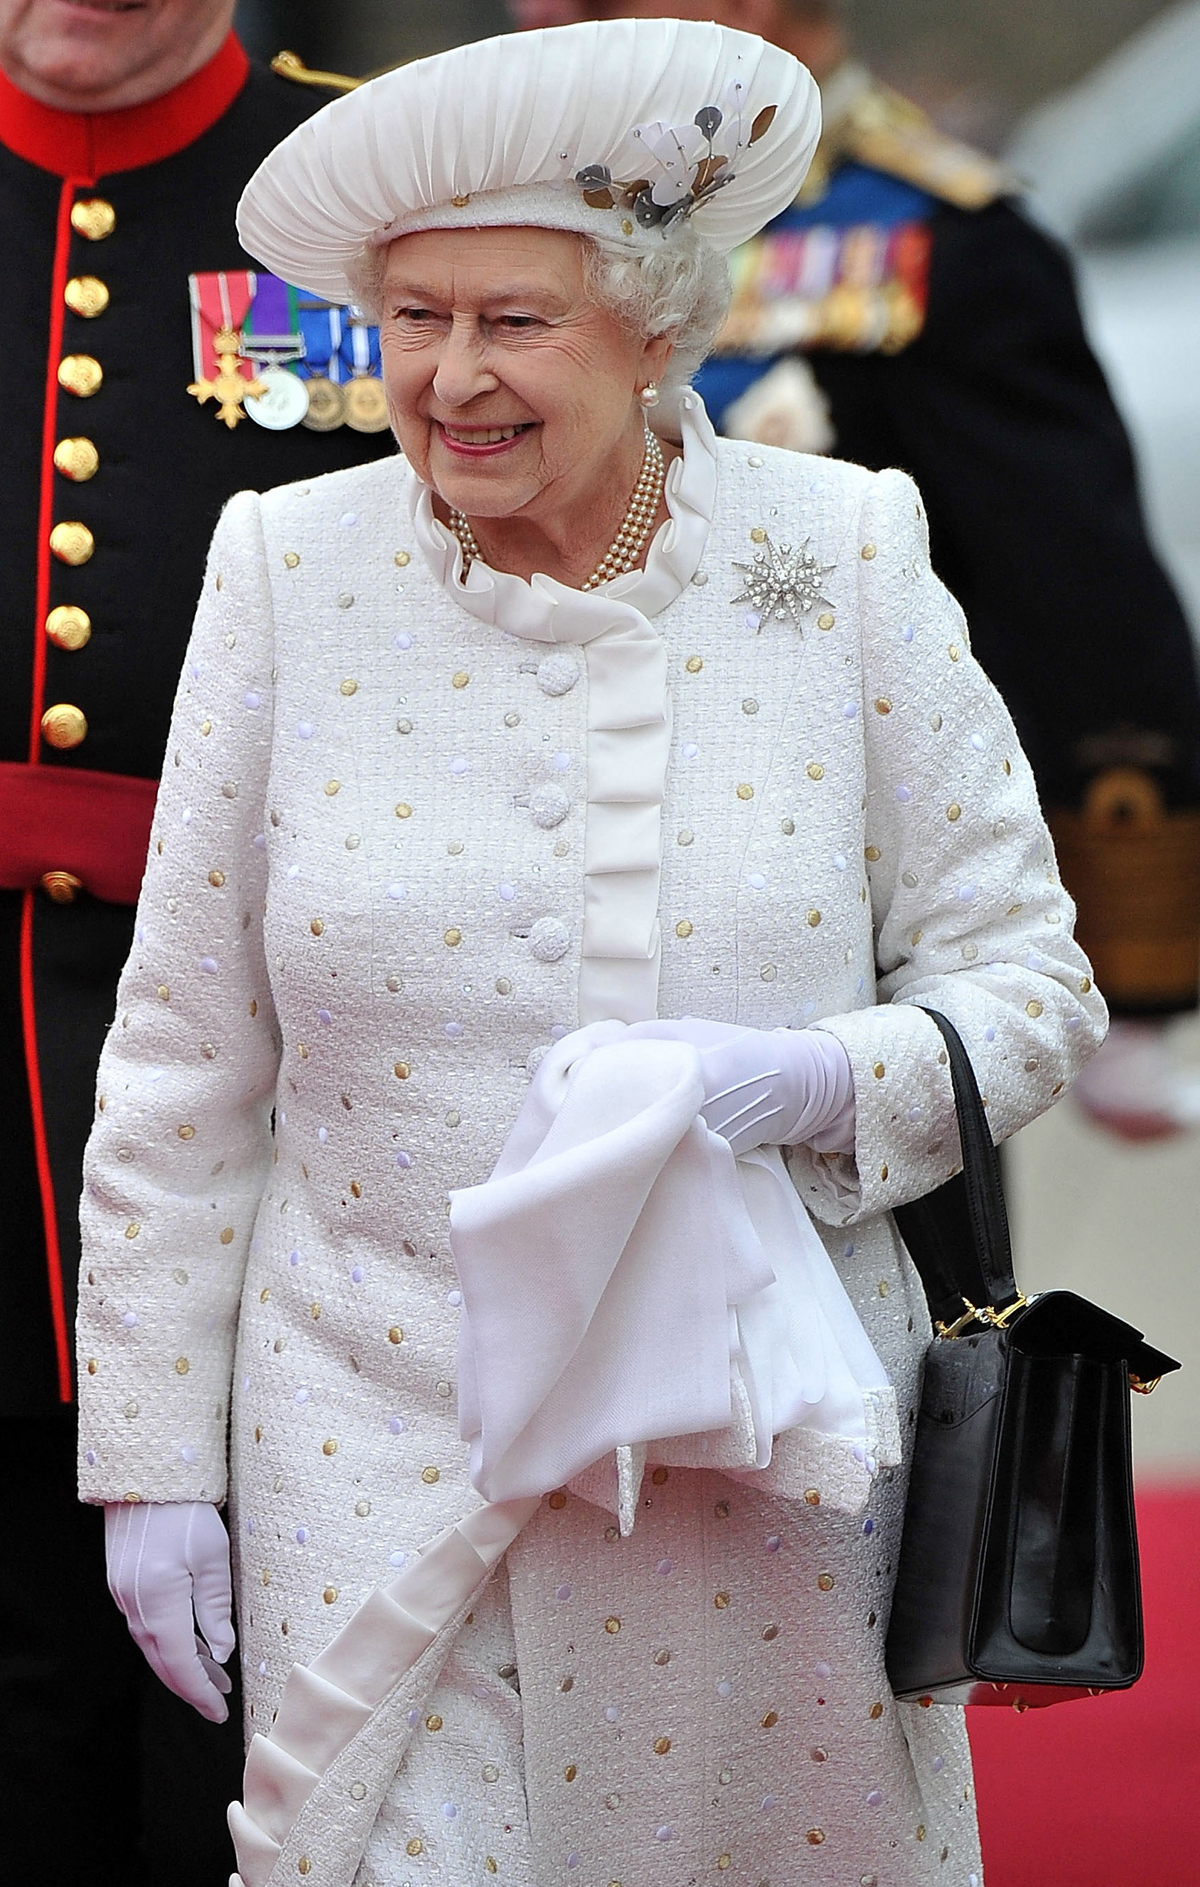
769,1087
168,1570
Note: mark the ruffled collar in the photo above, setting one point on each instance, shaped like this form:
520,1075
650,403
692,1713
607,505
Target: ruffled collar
544,610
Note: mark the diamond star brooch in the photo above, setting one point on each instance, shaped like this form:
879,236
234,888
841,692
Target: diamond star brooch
782,582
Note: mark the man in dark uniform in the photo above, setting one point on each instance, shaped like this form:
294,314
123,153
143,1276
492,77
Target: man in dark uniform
906,312
127,131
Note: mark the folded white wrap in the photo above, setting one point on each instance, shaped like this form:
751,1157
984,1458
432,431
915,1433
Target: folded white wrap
629,1285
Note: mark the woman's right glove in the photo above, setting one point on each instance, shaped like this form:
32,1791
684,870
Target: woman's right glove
168,1570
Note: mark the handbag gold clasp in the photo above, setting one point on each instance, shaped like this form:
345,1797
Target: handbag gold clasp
999,1318
982,1315
970,1316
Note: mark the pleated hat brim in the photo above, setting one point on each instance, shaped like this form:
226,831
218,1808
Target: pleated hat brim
498,131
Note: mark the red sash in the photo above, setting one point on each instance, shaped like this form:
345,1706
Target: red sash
94,825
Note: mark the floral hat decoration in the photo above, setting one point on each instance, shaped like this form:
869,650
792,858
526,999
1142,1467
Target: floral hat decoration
626,129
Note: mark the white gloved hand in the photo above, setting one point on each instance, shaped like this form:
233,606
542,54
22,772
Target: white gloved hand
168,1570
769,1087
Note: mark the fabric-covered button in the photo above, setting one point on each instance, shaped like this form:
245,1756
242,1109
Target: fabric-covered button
557,672
549,939
548,806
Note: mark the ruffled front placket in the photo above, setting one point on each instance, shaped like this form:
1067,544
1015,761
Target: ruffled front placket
629,710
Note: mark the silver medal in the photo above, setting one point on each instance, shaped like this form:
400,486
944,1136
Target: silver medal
284,402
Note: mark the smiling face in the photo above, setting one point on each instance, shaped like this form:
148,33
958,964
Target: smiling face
100,55
510,391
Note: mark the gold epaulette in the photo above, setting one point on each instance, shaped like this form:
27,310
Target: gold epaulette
289,65
886,131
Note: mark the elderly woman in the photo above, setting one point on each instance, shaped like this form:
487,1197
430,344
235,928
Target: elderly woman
564,1525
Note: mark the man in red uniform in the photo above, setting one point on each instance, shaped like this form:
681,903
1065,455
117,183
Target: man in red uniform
149,373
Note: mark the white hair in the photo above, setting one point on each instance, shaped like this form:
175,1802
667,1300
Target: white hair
678,286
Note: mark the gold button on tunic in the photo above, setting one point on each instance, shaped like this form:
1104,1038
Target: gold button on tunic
68,626
93,218
72,542
61,887
76,459
64,726
86,296
80,374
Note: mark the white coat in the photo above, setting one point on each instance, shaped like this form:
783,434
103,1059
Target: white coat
408,832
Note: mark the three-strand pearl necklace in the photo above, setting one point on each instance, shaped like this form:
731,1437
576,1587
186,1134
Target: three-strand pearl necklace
626,548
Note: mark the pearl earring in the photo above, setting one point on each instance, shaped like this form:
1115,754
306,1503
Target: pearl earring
649,395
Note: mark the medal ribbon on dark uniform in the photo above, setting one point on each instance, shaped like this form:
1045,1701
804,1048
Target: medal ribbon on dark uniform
220,303
321,325
272,338
860,289
366,401
272,332
359,346
323,370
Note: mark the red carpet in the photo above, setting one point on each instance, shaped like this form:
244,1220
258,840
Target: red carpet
1106,1791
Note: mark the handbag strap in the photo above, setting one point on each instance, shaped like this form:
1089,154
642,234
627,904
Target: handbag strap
958,1235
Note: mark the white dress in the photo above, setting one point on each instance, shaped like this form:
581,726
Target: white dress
410,831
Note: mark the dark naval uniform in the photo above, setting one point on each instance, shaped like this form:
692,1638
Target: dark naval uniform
943,330
115,477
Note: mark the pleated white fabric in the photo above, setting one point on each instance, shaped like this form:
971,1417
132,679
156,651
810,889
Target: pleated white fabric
326,1704
627,1282
447,140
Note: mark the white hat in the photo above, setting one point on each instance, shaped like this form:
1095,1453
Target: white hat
712,128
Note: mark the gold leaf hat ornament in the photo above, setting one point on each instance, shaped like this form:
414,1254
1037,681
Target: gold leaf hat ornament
631,130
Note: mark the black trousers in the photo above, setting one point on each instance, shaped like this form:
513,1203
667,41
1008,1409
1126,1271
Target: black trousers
105,1776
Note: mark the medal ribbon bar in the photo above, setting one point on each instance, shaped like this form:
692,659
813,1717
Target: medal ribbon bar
220,302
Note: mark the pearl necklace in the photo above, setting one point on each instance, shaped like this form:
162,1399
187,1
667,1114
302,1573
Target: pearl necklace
623,553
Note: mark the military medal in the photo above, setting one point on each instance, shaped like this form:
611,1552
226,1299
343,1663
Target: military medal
271,338
326,405
220,303
282,403
366,401
321,327
366,404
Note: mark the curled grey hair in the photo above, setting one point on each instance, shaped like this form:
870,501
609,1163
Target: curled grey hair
678,286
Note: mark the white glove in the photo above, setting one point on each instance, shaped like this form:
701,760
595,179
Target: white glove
769,1087
167,1561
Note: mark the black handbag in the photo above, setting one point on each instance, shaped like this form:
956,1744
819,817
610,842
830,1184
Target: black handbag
1018,1578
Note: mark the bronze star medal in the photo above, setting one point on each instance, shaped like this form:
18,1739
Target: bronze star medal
228,387
782,583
